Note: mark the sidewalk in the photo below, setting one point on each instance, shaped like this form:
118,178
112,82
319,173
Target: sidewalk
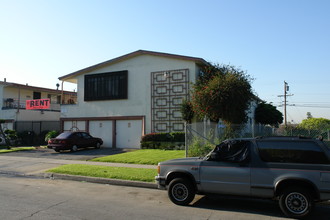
37,167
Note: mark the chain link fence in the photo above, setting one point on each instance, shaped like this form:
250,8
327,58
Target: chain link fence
202,137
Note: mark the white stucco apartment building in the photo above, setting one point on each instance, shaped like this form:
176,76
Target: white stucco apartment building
126,97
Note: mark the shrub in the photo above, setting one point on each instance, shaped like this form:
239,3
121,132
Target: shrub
199,148
165,141
168,137
50,135
27,137
12,136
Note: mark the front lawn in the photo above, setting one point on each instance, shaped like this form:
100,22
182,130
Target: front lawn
145,156
123,173
15,149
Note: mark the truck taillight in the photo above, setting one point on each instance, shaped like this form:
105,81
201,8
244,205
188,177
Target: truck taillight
158,169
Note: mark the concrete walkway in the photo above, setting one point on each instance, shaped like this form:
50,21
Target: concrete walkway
37,167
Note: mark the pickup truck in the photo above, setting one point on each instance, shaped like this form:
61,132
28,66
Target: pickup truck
293,170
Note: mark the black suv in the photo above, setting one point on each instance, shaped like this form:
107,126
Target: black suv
293,170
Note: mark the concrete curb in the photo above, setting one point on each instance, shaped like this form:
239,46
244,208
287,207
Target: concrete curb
101,180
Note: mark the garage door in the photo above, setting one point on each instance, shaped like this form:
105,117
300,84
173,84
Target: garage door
128,133
74,126
102,129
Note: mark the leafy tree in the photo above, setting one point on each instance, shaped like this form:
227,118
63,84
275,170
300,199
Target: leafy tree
309,115
187,111
222,92
315,124
268,114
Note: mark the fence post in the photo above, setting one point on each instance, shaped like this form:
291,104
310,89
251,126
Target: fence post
185,139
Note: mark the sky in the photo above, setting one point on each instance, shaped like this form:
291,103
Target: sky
271,40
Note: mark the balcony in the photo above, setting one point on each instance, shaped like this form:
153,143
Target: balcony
11,103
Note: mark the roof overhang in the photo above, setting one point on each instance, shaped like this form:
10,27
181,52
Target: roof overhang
72,76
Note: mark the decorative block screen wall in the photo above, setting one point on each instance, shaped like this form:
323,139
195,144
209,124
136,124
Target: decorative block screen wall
168,89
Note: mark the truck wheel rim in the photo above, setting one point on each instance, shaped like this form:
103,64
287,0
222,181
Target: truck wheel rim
180,192
296,203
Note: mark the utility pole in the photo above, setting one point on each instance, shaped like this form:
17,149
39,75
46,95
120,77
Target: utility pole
286,89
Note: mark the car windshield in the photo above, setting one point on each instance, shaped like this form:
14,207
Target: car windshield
64,135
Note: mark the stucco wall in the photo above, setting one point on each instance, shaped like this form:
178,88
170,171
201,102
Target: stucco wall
139,95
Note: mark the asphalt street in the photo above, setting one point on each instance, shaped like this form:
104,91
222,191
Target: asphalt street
81,154
33,164
47,199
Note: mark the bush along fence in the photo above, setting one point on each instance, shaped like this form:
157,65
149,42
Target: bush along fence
165,141
202,137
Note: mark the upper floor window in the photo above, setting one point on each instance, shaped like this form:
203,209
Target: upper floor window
106,86
36,95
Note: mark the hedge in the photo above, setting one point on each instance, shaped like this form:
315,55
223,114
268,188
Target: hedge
167,141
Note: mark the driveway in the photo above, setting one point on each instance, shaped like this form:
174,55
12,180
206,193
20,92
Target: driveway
81,154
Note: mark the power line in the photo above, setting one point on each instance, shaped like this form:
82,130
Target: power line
312,106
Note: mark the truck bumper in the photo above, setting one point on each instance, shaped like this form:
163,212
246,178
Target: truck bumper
160,182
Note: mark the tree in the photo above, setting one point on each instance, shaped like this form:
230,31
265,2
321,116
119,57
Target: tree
309,115
222,92
187,111
315,124
268,114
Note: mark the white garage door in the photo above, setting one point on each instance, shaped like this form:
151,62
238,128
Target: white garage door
102,129
74,126
129,133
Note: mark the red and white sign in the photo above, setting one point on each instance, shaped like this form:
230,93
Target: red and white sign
38,104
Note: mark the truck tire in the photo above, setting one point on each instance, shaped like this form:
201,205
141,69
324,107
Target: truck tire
296,202
181,191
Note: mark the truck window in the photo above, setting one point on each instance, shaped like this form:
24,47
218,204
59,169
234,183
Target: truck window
232,151
292,152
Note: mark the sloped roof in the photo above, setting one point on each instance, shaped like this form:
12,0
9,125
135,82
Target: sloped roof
129,56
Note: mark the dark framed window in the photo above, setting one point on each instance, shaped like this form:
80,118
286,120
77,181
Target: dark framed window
292,152
106,86
36,95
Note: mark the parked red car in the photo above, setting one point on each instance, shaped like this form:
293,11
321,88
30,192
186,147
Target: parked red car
74,140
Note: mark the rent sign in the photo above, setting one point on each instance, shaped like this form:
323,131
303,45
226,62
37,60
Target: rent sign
38,104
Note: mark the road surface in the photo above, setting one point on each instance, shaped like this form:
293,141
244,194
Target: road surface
32,198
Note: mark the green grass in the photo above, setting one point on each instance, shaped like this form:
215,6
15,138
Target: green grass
124,173
16,149
152,157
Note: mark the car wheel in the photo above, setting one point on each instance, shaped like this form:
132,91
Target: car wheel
296,202
74,148
181,191
98,145
57,150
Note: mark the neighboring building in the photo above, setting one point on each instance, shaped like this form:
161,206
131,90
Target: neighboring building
17,117
124,98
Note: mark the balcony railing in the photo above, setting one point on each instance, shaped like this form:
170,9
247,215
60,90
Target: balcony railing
10,103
